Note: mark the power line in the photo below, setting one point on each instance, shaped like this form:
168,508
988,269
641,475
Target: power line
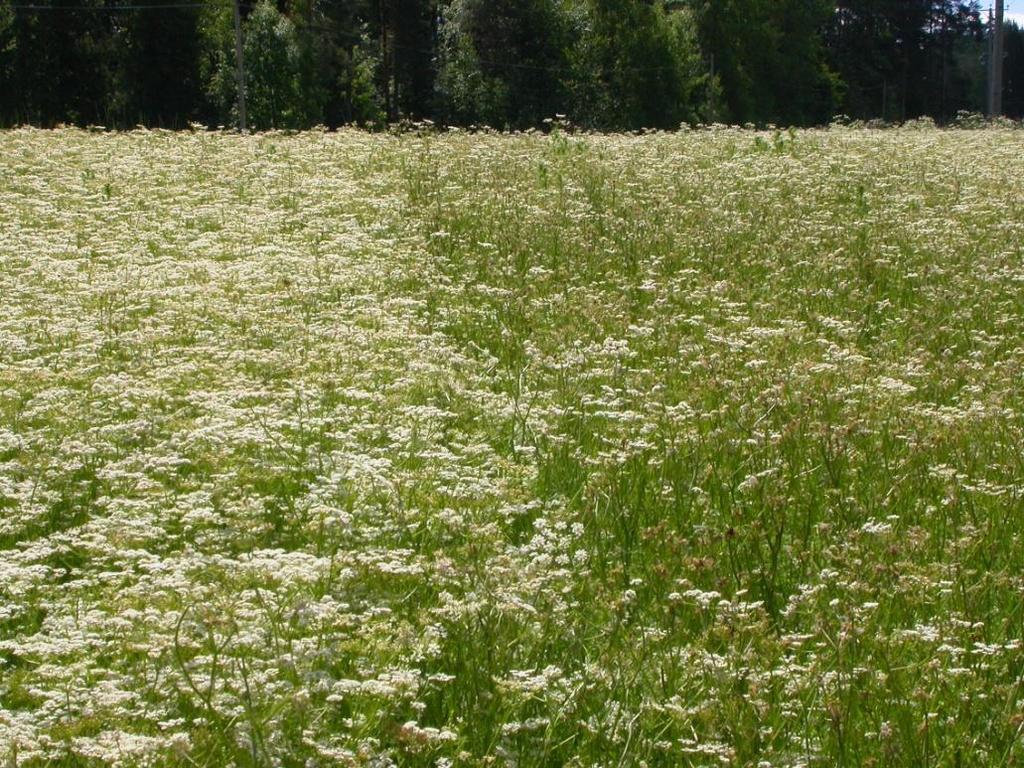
106,8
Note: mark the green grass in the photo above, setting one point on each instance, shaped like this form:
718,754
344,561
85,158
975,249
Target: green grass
344,449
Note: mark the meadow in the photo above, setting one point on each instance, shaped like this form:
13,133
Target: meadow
346,449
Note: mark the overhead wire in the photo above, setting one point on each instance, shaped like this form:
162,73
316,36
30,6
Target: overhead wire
108,8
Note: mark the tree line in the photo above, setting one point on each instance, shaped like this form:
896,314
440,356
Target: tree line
605,64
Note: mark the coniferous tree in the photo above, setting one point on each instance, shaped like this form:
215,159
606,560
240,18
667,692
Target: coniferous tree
905,58
1013,73
769,57
8,55
158,80
413,32
504,61
63,60
609,64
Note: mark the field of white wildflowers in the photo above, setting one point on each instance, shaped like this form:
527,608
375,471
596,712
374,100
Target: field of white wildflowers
690,449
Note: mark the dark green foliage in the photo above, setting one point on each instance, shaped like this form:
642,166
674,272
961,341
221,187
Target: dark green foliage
636,65
158,67
1013,95
8,60
906,58
412,50
504,60
273,62
606,64
8,53
62,62
770,59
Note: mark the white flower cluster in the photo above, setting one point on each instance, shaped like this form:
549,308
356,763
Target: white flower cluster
468,449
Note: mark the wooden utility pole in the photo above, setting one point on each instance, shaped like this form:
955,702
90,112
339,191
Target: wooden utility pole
240,63
995,64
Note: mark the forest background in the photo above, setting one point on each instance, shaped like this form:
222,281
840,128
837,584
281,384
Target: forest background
605,64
